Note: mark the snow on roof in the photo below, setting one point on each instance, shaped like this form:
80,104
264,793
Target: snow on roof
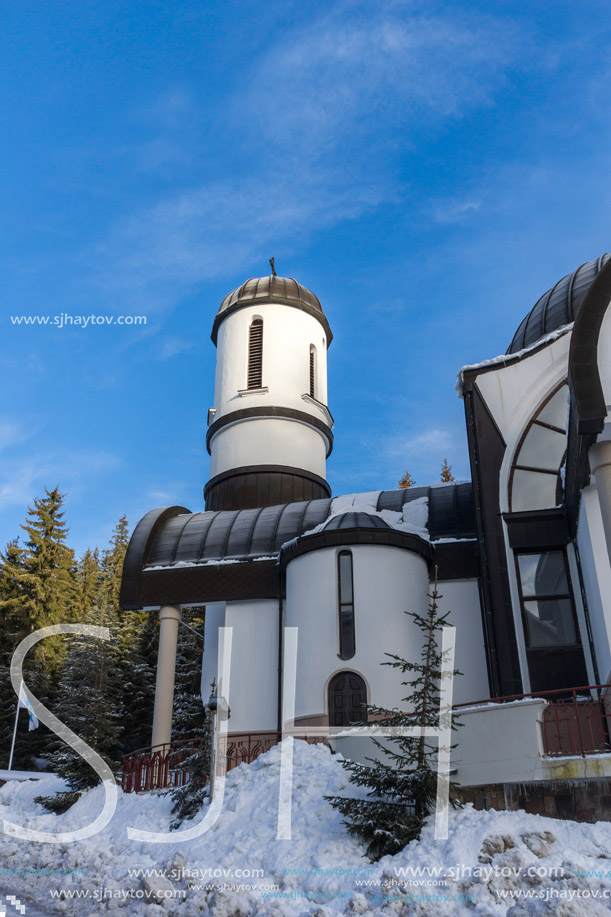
507,358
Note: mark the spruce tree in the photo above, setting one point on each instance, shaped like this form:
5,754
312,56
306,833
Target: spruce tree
191,721
37,582
406,481
88,702
112,562
37,588
88,582
446,472
401,785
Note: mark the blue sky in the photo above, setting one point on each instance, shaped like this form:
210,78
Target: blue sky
428,169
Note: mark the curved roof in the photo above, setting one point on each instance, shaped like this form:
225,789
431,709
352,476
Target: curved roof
354,521
259,290
558,306
193,538
178,556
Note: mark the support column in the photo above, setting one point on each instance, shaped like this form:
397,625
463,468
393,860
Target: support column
600,463
169,618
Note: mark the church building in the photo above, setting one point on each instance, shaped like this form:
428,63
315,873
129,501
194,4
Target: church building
521,553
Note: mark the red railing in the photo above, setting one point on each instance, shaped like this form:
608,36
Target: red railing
166,765
158,768
576,721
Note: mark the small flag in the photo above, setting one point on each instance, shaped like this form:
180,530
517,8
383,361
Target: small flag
25,703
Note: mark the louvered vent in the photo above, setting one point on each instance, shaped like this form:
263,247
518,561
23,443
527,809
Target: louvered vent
312,373
255,354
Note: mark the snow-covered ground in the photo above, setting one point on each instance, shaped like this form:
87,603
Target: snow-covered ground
239,868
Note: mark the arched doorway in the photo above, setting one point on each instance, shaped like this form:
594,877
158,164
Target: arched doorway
347,695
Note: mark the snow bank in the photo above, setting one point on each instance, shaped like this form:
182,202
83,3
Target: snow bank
320,872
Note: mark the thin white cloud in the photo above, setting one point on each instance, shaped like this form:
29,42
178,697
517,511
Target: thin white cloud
312,138
22,480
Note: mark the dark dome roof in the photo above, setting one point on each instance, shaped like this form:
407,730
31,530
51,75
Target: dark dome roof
283,290
352,520
559,306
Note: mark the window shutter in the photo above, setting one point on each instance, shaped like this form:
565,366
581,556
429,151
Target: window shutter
255,354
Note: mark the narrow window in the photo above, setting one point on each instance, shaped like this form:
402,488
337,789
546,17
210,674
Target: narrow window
312,372
255,354
347,699
346,605
547,603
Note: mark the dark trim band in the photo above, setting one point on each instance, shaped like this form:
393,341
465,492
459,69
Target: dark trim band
355,536
138,550
287,413
276,469
249,303
584,376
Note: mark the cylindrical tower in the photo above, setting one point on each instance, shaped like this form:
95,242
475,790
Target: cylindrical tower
269,431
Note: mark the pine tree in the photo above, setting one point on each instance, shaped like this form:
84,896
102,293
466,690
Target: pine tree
446,472
88,703
112,562
37,588
88,582
191,721
402,785
37,582
136,665
406,481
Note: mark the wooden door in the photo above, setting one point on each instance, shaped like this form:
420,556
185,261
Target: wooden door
347,695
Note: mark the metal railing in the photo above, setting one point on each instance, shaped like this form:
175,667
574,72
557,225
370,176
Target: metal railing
167,766
158,768
576,721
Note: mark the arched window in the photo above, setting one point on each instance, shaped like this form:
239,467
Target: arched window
347,699
345,601
312,371
535,481
255,354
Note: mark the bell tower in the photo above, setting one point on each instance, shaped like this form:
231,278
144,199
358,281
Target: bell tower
269,430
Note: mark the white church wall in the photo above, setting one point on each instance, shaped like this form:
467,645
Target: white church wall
268,441
387,582
596,573
253,692
214,618
288,334
499,743
461,598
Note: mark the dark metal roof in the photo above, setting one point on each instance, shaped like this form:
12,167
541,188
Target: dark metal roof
559,306
270,289
259,290
355,521
232,534
172,542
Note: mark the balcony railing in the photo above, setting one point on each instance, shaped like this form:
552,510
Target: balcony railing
576,721
158,768
166,766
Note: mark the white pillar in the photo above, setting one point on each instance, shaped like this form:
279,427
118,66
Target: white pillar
169,618
600,463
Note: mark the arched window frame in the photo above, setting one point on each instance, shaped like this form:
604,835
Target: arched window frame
519,465
345,604
254,369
